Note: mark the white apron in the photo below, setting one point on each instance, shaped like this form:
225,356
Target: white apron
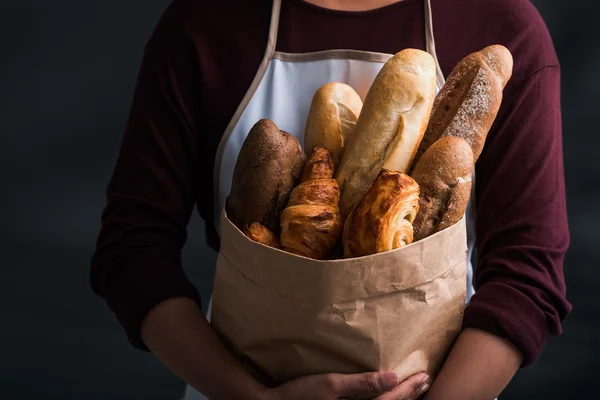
282,91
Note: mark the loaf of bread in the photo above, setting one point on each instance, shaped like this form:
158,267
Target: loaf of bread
268,167
467,105
334,109
444,178
382,219
390,126
311,223
260,234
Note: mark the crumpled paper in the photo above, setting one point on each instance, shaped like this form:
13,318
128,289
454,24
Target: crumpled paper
288,316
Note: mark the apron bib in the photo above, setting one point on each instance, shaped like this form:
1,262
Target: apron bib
282,91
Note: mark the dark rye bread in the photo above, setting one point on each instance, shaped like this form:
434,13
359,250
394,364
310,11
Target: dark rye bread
267,169
467,105
444,178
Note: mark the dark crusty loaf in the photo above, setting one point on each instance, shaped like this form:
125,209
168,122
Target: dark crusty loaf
267,169
444,178
467,105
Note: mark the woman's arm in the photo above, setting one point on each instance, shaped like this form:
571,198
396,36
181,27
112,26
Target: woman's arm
522,237
480,366
180,337
521,222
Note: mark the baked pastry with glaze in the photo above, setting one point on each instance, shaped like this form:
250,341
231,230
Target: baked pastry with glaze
261,234
382,219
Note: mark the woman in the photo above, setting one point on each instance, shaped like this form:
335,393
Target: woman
213,68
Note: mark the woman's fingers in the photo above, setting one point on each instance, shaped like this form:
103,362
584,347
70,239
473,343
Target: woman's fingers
335,386
371,385
365,385
409,389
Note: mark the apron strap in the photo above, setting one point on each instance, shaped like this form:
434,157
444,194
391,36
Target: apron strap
430,43
269,51
271,45
470,212
273,30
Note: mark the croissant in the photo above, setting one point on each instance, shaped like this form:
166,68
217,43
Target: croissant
259,233
382,219
311,223
319,166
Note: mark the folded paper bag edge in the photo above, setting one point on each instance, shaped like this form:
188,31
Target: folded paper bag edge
381,335
371,275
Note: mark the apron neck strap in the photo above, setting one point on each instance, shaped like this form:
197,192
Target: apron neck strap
429,37
273,29
430,43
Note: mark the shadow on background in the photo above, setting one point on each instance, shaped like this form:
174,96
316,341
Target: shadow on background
67,73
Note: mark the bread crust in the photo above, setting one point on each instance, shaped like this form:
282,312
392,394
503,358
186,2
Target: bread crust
444,178
468,103
267,169
260,234
382,219
333,113
311,223
391,124
319,166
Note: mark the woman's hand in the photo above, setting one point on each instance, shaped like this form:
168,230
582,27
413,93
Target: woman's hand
371,385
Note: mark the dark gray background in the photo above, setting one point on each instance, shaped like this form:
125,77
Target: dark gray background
67,70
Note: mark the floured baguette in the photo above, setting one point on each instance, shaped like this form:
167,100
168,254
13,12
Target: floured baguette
391,124
444,178
467,105
334,109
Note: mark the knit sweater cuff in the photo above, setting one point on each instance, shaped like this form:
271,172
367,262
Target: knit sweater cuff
142,288
508,313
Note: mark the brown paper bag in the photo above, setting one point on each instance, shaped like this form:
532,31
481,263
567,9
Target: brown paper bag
290,316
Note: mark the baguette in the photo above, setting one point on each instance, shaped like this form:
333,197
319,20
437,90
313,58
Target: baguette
391,124
268,167
334,109
444,178
467,105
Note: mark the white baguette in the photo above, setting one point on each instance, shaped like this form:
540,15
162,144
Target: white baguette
334,109
391,125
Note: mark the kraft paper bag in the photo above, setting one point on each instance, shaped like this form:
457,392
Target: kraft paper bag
288,316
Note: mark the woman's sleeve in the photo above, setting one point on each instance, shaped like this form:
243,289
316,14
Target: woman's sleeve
521,220
153,188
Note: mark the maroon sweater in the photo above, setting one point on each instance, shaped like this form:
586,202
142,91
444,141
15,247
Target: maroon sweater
198,65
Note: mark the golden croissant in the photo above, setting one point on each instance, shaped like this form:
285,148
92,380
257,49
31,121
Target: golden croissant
261,234
383,218
311,223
